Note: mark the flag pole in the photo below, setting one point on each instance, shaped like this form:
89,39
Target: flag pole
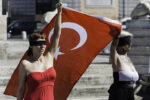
149,66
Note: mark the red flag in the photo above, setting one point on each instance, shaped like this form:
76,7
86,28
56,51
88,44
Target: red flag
82,38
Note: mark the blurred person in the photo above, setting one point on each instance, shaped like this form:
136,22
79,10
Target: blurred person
124,72
38,71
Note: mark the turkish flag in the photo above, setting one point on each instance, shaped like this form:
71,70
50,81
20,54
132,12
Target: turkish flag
82,38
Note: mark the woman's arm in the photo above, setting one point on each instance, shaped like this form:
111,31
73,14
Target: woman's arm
113,52
22,79
57,31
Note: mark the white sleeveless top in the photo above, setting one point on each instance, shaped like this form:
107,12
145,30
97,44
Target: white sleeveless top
128,76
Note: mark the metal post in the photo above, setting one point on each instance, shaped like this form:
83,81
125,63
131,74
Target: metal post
123,3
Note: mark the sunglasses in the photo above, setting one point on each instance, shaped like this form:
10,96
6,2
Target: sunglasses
37,43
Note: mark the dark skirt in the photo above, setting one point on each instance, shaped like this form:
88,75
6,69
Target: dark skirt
120,93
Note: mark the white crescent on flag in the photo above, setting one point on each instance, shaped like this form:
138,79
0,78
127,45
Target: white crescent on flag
78,28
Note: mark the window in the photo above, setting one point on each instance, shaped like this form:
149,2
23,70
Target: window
4,6
99,3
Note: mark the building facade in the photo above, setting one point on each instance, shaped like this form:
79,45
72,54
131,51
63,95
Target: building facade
32,10
27,9
114,9
3,22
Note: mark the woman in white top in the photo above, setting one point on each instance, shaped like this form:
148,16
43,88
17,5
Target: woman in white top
124,72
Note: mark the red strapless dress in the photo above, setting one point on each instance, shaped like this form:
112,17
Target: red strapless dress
40,85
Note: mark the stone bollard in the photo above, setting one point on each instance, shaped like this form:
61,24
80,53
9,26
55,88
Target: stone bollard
24,35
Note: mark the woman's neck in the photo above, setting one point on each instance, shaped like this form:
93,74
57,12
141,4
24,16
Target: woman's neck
37,58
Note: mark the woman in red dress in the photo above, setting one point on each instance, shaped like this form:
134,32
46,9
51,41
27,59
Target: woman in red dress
38,70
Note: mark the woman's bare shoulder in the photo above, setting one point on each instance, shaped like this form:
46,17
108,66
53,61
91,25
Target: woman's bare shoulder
25,62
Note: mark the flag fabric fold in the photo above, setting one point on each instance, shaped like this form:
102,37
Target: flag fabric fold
82,38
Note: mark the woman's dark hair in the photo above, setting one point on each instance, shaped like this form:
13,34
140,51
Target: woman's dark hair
34,37
124,41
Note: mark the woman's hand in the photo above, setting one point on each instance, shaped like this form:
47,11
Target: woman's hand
59,7
115,42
